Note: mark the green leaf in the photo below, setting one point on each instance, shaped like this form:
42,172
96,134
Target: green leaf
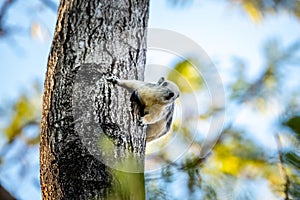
292,158
294,124
294,190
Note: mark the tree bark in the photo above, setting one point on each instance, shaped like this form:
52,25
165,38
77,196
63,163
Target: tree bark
91,144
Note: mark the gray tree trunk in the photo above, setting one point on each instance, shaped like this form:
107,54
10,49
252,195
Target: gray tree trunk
91,144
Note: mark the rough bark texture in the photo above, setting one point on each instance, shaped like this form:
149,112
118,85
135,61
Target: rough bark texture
91,144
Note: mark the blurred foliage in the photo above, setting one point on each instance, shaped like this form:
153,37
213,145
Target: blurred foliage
238,165
256,9
186,76
18,26
291,157
268,82
26,112
294,124
238,156
180,3
20,136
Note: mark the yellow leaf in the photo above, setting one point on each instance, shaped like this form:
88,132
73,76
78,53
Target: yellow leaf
253,10
186,76
24,112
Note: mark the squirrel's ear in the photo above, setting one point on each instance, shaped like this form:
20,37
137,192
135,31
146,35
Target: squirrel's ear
162,79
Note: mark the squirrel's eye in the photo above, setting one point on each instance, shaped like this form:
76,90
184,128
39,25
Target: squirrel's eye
170,95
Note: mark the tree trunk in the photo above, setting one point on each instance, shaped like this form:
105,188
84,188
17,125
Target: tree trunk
91,144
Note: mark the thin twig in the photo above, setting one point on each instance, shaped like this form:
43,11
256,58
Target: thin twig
282,169
3,12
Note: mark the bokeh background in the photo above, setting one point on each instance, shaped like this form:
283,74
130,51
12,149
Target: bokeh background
254,45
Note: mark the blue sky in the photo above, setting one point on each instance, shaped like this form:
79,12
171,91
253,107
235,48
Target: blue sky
220,29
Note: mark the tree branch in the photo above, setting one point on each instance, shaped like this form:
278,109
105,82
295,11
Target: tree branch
5,195
3,12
